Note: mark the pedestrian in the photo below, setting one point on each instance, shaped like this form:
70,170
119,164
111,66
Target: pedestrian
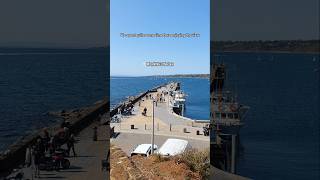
40,147
66,133
52,145
36,159
70,145
28,157
63,124
145,111
46,139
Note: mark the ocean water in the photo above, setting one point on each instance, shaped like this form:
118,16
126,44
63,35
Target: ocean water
36,81
280,138
197,102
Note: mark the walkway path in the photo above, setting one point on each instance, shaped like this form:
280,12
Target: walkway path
167,124
87,165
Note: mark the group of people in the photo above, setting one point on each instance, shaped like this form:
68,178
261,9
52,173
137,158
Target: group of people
126,109
149,96
161,97
46,145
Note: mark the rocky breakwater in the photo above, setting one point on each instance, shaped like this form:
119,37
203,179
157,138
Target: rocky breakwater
134,99
78,119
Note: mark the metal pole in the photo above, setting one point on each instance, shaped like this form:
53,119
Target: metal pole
233,154
152,139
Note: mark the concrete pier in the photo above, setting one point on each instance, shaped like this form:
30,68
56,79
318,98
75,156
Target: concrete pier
90,153
167,124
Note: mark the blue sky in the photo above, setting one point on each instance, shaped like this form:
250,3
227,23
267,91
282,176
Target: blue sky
190,55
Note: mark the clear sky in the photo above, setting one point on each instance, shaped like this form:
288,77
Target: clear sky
190,55
84,23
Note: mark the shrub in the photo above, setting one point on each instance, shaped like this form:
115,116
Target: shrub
159,158
198,161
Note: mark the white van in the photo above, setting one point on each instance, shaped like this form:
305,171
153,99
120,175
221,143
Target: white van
143,150
173,147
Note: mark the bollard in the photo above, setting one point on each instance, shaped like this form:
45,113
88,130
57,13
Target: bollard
95,134
145,126
132,126
198,132
170,127
112,132
185,130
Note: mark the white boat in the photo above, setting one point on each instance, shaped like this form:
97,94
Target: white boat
177,101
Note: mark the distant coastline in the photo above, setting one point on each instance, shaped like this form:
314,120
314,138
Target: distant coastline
43,51
166,76
274,46
183,76
277,46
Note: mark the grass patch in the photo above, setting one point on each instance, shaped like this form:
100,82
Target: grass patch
198,161
158,158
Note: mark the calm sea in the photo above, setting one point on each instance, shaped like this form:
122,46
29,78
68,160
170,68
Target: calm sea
280,139
197,105
35,81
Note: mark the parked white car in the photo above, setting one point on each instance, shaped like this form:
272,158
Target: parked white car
173,147
143,150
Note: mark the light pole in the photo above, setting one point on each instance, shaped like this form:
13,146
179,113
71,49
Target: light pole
152,138
233,153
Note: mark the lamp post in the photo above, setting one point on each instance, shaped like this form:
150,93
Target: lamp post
152,138
233,153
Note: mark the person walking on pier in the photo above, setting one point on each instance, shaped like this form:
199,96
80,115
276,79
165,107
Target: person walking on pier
36,156
46,139
70,145
28,157
144,111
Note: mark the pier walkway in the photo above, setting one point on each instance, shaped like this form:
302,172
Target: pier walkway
87,163
167,125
